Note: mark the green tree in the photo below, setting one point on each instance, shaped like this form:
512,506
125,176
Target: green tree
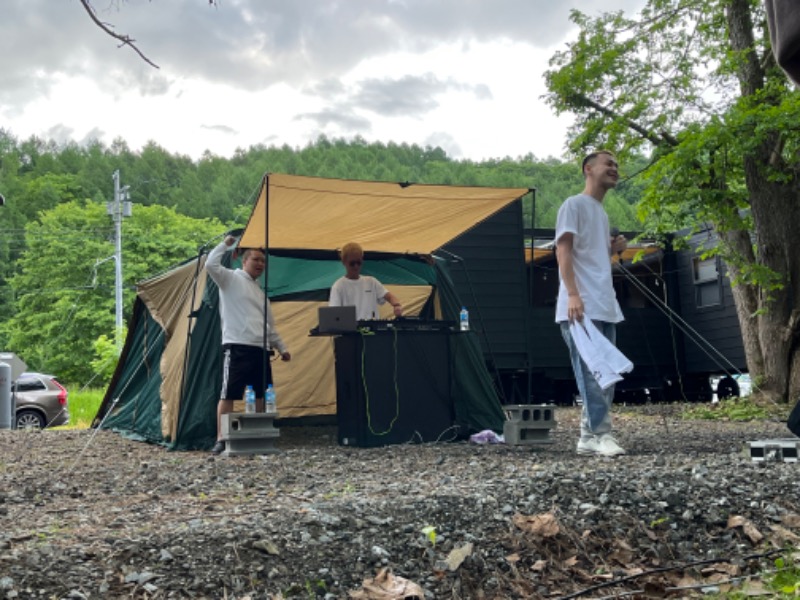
45,191
64,283
693,84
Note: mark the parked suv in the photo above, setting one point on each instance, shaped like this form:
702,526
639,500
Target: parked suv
41,401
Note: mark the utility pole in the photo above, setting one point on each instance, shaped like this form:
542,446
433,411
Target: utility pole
118,209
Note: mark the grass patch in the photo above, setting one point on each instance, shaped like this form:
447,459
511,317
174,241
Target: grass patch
83,405
783,581
786,579
740,409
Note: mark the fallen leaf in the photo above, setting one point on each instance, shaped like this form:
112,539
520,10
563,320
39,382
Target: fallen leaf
623,545
735,521
458,555
686,582
747,526
266,546
539,565
571,562
543,525
756,588
753,533
791,520
782,536
726,568
621,557
386,586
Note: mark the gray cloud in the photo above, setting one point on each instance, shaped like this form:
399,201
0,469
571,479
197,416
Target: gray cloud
255,43
409,95
446,142
60,133
93,135
64,134
340,116
220,128
327,88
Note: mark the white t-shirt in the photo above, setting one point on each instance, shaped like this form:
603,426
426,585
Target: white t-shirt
586,219
365,293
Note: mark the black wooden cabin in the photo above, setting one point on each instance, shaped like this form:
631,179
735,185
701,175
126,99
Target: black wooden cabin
510,291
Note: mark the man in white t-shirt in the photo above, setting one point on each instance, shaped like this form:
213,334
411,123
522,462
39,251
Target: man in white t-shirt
362,291
584,247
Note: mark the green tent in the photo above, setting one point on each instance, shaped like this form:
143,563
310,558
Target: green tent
166,385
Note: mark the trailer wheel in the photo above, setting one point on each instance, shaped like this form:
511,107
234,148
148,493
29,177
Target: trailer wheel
727,388
697,388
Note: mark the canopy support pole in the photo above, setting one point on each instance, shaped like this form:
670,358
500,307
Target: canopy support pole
264,340
529,275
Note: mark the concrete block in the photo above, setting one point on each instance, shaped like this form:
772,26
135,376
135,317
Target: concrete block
536,416
249,446
517,433
245,425
249,433
778,450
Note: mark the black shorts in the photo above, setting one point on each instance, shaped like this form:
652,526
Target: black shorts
243,366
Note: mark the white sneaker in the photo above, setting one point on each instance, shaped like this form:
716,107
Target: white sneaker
602,445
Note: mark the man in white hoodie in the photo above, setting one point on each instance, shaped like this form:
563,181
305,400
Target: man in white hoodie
241,308
584,247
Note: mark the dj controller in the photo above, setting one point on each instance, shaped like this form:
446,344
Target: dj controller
406,324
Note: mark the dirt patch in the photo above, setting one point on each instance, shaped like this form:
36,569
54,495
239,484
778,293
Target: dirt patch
100,516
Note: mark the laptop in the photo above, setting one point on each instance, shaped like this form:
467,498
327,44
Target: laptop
337,319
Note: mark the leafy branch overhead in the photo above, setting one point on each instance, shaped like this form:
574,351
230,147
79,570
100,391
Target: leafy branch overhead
123,39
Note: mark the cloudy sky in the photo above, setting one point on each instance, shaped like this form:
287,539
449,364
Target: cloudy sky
465,75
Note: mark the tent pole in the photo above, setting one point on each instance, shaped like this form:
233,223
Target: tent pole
264,341
529,273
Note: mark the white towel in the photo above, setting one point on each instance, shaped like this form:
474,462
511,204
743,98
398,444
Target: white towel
603,358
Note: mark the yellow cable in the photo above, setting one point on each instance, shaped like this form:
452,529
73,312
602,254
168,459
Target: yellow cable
366,391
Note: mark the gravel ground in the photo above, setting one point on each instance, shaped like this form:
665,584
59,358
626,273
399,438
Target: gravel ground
100,516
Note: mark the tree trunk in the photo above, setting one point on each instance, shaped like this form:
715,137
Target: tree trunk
775,216
778,248
745,298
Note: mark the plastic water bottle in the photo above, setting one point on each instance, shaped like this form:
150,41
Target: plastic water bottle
249,400
464,319
269,400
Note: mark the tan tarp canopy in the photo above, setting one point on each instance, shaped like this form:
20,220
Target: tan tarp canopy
311,213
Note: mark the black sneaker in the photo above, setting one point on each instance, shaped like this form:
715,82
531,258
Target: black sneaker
218,448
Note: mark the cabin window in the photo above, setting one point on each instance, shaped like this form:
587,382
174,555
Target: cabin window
708,291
